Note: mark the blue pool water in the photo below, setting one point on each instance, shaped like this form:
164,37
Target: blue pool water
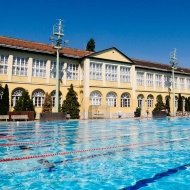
96,155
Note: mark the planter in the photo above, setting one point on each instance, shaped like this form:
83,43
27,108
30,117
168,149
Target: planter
159,114
47,116
137,114
30,114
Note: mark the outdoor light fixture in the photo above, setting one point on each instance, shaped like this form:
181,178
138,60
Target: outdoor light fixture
173,62
57,44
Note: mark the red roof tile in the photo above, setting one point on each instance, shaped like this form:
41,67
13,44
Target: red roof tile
46,48
159,66
70,52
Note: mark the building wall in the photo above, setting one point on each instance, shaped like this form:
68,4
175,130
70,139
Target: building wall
84,86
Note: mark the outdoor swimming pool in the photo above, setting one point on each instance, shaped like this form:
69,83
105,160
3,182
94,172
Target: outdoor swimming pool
96,154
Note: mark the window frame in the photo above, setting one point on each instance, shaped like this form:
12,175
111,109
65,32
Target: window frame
20,66
39,68
4,64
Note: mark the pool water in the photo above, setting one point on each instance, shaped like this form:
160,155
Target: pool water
96,155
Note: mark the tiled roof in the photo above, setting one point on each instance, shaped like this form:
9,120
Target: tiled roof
76,53
40,47
159,66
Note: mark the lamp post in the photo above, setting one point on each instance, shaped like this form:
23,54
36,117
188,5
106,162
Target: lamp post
173,63
169,91
57,44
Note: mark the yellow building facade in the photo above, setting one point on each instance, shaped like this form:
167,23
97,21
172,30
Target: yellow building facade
106,82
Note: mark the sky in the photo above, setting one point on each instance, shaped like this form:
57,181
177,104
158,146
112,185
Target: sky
141,29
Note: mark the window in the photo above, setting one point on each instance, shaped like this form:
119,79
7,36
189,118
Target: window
53,95
188,84
182,83
167,82
95,71
149,79
111,99
150,101
140,101
95,98
158,80
124,74
53,70
175,82
3,64
111,73
38,98
39,68
140,78
20,66
72,71
125,100
16,95
1,92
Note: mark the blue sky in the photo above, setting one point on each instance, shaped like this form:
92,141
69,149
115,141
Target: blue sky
142,29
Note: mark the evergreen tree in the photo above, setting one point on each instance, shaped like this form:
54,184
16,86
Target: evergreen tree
71,104
90,45
159,105
47,106
4,106
188,101
24,103
180,103
186,105
168,105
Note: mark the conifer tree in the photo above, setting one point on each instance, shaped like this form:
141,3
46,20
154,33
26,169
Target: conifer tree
90,45
47,106
168,105
4,106
24,103
71,104
159,105
186,105
180,103
188,102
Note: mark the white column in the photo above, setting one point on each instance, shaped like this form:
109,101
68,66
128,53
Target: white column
154,82
145,86
48,67
163,83
30,60
134,87
104,73
10,67
185,84
118,75
64,74
80,74
86,87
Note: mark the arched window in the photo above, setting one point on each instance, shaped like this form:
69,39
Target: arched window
95,98
53,94
16,94
111,99
38,97
150,101
125,100
140,99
